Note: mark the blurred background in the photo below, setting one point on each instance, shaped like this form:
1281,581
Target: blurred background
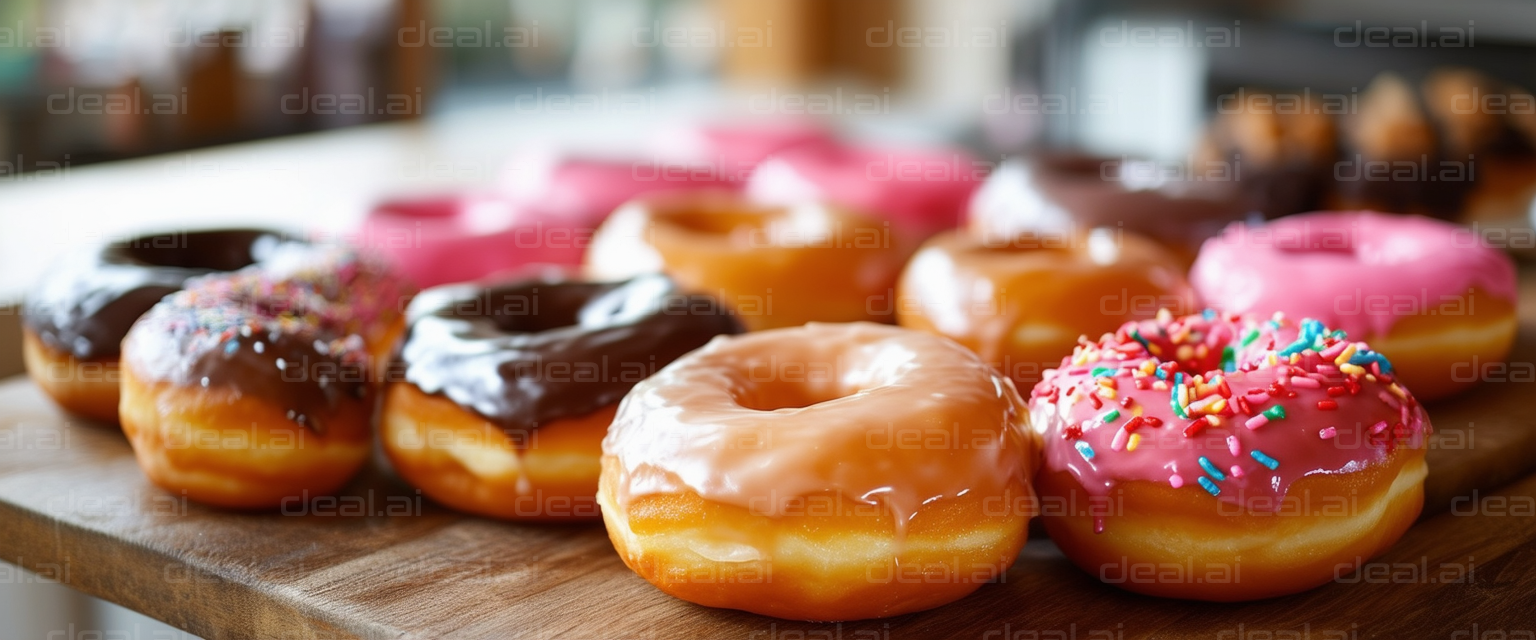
85,84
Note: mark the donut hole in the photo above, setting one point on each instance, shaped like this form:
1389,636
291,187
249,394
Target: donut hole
225,250
1024,242
789,394
722,222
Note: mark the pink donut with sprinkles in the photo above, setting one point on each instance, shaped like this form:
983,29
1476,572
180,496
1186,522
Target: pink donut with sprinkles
921,191
1429,294
1248,458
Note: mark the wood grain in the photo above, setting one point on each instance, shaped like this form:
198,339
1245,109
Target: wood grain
383,562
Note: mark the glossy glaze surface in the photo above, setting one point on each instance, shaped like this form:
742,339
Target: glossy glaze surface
528,353
763,420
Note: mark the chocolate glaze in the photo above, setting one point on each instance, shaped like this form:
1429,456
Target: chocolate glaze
1054,192
289,331
528,353
86,305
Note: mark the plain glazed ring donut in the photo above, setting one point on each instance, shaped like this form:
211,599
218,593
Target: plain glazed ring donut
774,266
251,389
1256,458
75,320
1022,303
501,395
826,472
1428,294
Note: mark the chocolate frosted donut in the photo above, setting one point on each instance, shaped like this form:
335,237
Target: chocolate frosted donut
502,351
1068,193
76,317
253,388
85,307
500,396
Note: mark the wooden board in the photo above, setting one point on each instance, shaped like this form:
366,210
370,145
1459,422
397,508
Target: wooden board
382,562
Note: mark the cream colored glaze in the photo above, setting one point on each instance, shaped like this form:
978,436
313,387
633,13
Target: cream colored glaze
881,415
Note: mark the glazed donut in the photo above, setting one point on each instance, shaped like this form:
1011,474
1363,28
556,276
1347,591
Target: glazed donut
1428,294
500,395
1221,458
1070,194
920,191
775,266
255,388
1022,305
74,321
824,472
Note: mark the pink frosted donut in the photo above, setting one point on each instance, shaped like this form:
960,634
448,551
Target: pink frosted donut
1267,456
458,238
1427,293
584,190
738,149
921,191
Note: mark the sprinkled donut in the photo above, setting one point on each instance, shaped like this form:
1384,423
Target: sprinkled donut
253,388
1269,456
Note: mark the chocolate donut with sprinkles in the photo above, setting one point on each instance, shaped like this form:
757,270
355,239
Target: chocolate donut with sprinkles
1227,458
249,389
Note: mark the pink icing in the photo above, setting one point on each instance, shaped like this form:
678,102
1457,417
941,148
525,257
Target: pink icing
1333,421
921,191
465,237
739,148
1356,271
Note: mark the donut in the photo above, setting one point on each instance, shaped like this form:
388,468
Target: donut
1479,119
1428,294
775,266
463,237
1021,305
737,148
500,395
1280,149
824,472
1219,457
74,321
582,190
1393,157
920,191
255,388
1071,193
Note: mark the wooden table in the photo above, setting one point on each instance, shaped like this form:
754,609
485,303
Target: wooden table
383,562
